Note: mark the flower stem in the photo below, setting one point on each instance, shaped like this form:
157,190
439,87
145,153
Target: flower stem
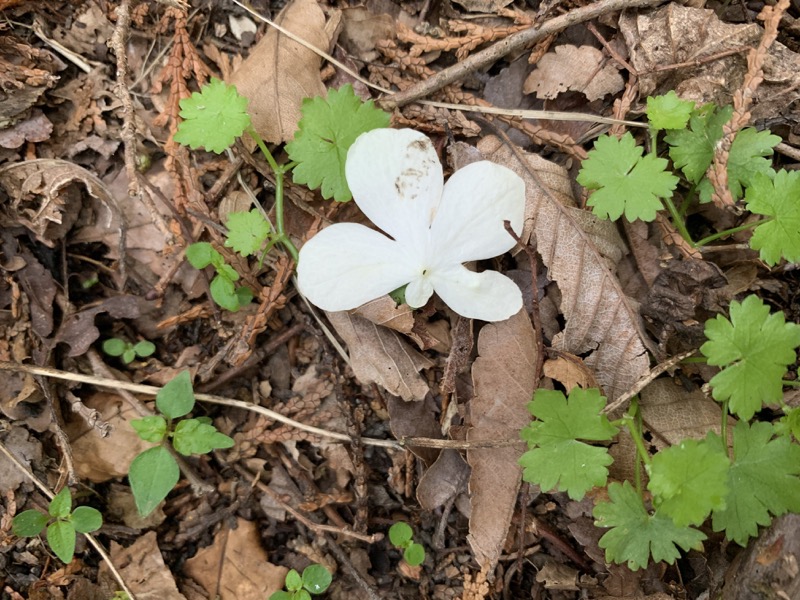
731,231
280,171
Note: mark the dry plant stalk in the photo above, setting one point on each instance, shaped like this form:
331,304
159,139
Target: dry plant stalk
742,99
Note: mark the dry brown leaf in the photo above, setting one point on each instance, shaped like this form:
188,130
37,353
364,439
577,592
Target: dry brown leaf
484,6
385,311
679,34
380,355
362,30
503,378
99,459
235,566
569,371
279,72
580,252
577,68
142,567
26,449
443,480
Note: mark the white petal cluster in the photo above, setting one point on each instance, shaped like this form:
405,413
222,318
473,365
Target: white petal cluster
397,182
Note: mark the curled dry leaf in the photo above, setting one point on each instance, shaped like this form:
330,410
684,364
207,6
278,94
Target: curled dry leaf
651,36
503,379
580,252
380,355
574,68
445,478
569,371
46,196
279,72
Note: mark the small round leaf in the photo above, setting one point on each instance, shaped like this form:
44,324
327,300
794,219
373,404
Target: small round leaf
414,555
129,355
316,579
293,581
400,534
86,519
114,346
144,348
281,595
29,523
200,254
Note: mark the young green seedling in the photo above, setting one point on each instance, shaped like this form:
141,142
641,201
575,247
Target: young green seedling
61,522
154,472
314,580
401,535
223,287
128,351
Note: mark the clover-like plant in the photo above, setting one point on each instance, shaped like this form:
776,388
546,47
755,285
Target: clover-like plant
397,181
62,524
401,535
128,351
223,286
315,580
154,472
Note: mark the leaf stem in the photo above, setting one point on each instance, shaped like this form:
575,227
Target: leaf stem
677,221
280,171
791,383
731,231
724,426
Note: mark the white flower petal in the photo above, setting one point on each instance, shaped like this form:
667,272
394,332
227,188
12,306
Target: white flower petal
476,201
488,296
347,264
419,291
396,180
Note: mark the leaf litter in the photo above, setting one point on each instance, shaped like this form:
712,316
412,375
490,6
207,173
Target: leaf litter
84,261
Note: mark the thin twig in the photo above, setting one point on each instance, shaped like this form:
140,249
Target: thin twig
92,540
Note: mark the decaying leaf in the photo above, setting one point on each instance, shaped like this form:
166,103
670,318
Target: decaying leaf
142,567
379,355
677,34
78,330
279,72
484,6
235,566
580,253
577,68
385,311
444,479
362,30
46,196
569,371
503,379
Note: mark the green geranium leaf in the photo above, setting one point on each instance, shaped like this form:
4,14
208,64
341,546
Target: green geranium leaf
668,111
152,475
556,459
692,149
247,232
635,535
754,349
176,399
764,481
625,182
325,133
689,480
213,117
779,199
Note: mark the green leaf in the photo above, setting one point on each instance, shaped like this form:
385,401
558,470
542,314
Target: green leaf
754,348
624,180
223,291
201,254
635,535
281,595
414,555
61,538
213,117
244,295
195,437
86,519
129,355
301,595
144,348
689,480
764,480
29,523
693,149
668,111
176,399
152,475
779,199
61,504
294,581
316,579
556,459
247,232
747,158
400,534
789,424
115,346
151,429
325,133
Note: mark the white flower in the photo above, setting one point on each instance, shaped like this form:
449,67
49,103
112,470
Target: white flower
397,182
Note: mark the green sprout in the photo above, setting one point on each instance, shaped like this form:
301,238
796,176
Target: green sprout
314,580
128,351
401,535
62,524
